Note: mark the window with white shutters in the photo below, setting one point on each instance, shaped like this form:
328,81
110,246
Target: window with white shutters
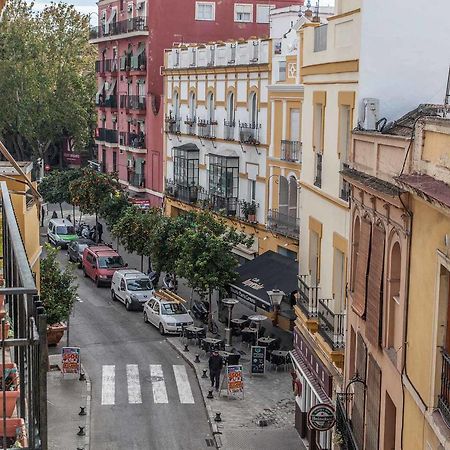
205,10
243,12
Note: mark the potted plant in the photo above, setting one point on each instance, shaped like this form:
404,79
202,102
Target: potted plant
58,294
249,210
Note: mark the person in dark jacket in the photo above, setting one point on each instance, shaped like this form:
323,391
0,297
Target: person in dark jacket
215,368
99,231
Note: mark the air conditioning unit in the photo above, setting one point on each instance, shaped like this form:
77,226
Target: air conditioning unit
369,114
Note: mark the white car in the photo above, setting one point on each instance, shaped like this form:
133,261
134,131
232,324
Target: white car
132,288
167,313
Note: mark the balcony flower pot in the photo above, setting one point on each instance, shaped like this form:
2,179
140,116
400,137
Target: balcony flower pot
11,399
15,429
7,329
55,333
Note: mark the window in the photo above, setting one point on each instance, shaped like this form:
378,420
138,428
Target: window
320,38
253,109
243,12
292,201
282,71
318,127
339,280
205,11
263,13
314,257
186,163
176,105
114,167
283,196
252,190
210,106
318,170
295,124
232,54
192,104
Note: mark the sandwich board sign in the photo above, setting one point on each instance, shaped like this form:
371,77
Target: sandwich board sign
71,362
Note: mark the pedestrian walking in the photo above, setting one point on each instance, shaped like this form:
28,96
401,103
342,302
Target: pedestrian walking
69,218
42,215
215,368
99,231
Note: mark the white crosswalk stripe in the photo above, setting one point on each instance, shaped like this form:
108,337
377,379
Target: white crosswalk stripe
184,388
158,384
108,385
134,386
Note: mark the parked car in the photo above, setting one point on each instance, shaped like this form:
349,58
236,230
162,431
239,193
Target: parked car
60,232
100,262
166,311
76,248
132,288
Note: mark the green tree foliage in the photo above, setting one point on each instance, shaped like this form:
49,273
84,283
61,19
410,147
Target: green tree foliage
58,291
112,209
47,80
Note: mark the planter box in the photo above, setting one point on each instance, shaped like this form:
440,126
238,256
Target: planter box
15,428
11,399
7,326
55,333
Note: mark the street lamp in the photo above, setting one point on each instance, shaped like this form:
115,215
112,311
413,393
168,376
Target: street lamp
229,303
276,296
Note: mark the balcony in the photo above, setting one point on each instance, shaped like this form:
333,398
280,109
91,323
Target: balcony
343,424
444,396
173,124
136,102
136,179
283,223
133,25
249,133
331,325
187,194
345,185
108,102
227,206
106,135
291,151
107,66
206,129
190,123
229,127
133,140
308,296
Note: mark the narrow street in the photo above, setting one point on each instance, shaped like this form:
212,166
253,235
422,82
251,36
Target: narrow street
143,394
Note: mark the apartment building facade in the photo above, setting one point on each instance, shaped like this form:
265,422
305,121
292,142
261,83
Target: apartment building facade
131,38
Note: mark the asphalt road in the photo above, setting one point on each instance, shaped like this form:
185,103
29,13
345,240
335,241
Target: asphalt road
143,394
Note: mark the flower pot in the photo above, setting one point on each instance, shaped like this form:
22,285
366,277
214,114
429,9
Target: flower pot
251,217
12,379
11,399
15,428
55,333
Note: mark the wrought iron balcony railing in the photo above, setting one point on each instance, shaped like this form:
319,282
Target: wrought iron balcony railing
291,151
191,123
107,102
136,179
224,205
107,65
444,396
186,193
106,135
173,124
331,325
249,133
206,129
134,140
229,127
283,223
308,296
343,424
132,25
137,102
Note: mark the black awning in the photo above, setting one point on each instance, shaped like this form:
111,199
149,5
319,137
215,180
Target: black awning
265,273
187,147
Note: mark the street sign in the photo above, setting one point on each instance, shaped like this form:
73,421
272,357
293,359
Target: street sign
258,360
71,362
321,417
235,380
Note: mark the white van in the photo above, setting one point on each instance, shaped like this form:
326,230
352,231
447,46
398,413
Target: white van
61,232
132,288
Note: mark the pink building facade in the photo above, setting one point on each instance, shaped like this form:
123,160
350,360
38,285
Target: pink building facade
131,37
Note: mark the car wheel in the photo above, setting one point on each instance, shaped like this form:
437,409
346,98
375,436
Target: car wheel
113,295
161,329
128,305
145,317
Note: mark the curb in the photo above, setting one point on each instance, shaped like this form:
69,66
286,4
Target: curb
87,439
214,428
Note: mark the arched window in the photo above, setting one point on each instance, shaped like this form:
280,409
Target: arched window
292,201
283,197
394,325
253,109
192,105
230,108
210,107
176,105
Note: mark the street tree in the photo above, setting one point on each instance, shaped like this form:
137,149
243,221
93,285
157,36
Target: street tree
47,80
205,257
113,208
91,190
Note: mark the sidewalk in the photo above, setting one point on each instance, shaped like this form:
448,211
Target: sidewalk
64,399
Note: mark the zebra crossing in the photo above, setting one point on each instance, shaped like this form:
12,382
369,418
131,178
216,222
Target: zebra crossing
135,390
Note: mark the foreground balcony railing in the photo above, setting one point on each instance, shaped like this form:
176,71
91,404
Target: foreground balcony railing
173,124
132,25
283,223
331,325
106,135
308,296
249,133
206,129
291,151
137,102
134,140
229,130
185,192
136,179
343,424
444,396
107,65
26,343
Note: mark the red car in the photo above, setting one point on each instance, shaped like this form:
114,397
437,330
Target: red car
100,262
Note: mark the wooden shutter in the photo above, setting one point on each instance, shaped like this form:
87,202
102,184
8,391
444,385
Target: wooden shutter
373,405
374,287
359,392
360,283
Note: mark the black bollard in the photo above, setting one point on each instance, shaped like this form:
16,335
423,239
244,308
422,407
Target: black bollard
82,411
81,431
197,358
210,394
186,348
204,373
82,377
217,418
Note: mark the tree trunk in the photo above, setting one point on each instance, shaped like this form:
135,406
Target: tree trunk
62,214
209,311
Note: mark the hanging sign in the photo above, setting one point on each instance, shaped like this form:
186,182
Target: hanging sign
258,360
71,362
321,417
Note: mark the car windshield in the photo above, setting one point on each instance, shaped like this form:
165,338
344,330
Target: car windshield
139,284
110,262
170,309
65,230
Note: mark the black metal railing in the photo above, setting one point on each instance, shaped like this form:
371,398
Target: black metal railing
191,123
137,102
136,179
206,129
134,140
249,133
308,296
173,124
283,223
223,205
131,25
318,170
229,127
184,192
107,101
346,437
291,151
26,341
444,396
331,325
106,135
107,65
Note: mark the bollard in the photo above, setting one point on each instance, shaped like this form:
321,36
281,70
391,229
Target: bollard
186,348
204,373
197,358
217,418
82,411
82,377
210,394
81,431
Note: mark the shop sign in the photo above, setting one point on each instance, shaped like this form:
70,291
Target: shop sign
72,158
258,358
321,417
142,203
235,380
71,362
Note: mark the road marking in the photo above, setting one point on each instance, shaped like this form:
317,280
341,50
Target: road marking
134,387
108,385
184,388
158,384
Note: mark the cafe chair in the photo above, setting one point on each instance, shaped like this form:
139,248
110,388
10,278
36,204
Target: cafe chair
262,331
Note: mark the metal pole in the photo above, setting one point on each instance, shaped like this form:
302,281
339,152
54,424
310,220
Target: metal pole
4,384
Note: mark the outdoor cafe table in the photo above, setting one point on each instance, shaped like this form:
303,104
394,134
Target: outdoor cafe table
251,331
281,354
265,341
239,322
211,343
194,330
